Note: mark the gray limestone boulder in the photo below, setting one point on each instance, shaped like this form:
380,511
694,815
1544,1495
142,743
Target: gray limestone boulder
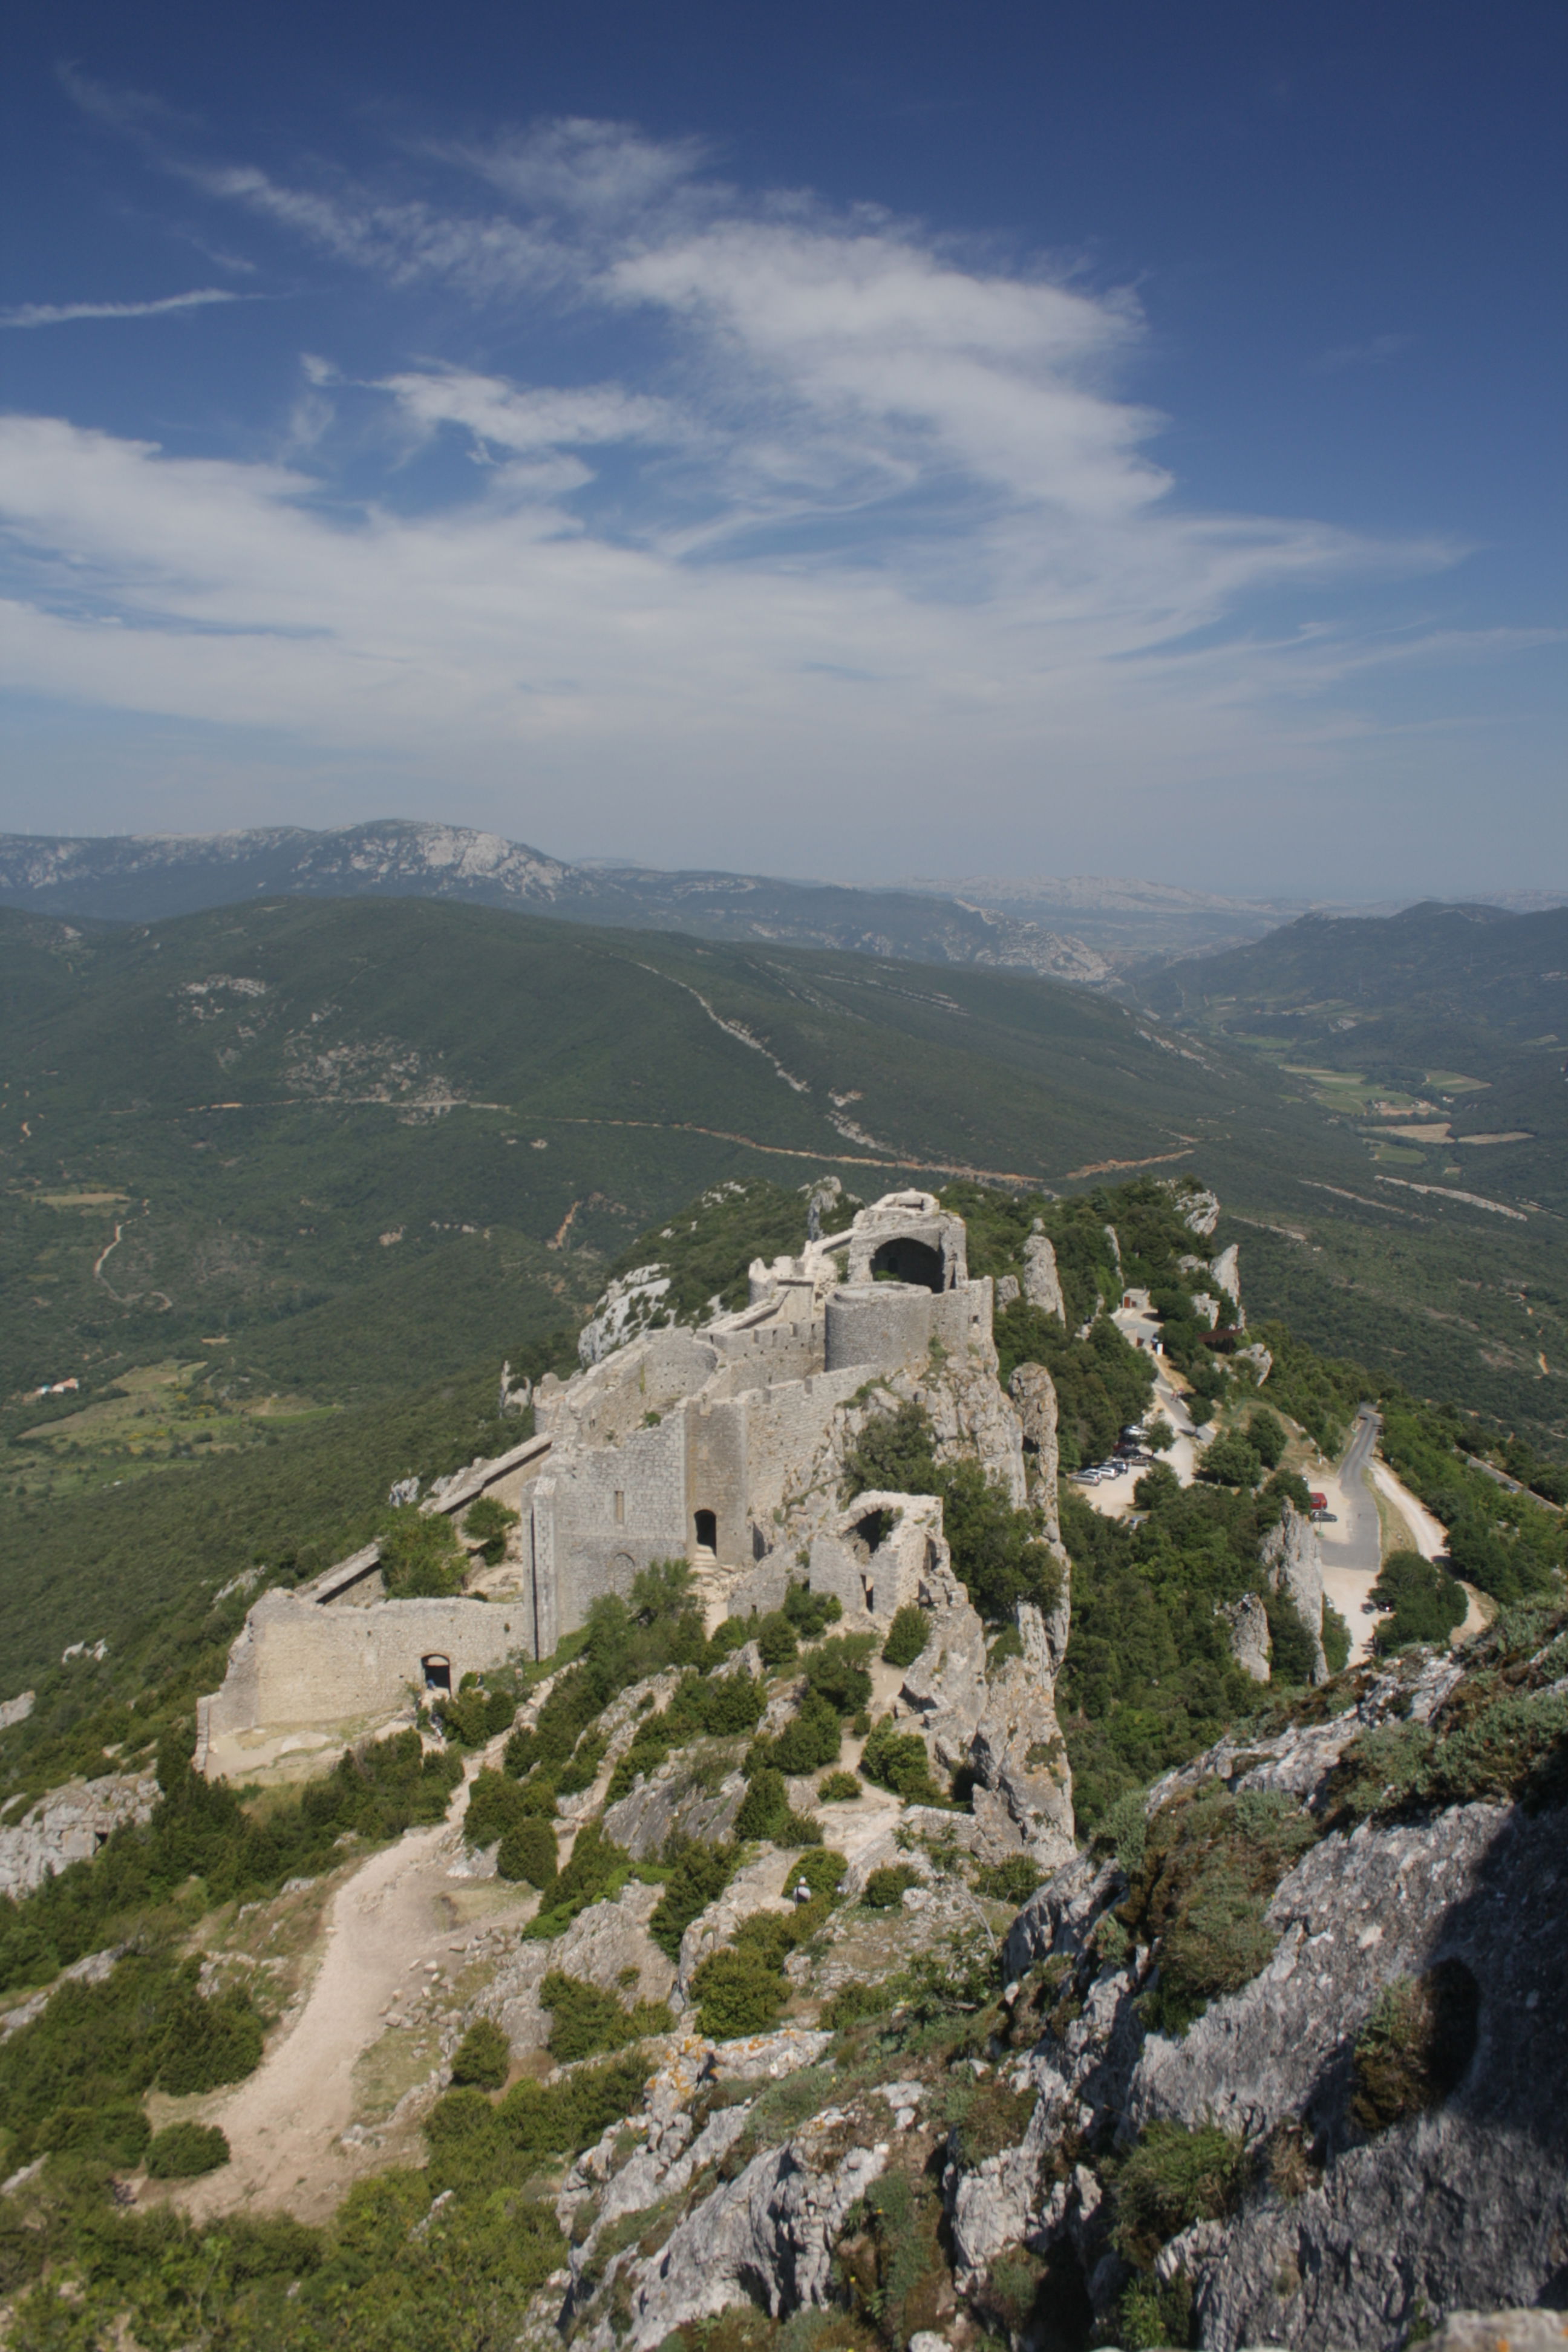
1247,1621
1042,1282
674,1800
766,2238
607,1940
1018,1753
1293,1563
1033,1392
68,1825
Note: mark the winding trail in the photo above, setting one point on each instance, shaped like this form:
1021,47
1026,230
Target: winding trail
285,2123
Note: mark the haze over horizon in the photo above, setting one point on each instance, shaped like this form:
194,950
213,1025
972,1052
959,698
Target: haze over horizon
873,447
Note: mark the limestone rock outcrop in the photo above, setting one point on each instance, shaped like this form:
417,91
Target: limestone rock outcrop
1042,1282
1293,1563
767,2238
1247,1622
1034,1393
1349,2232
69,1825
1024,1793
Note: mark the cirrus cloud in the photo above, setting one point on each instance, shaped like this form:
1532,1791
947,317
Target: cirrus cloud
861,504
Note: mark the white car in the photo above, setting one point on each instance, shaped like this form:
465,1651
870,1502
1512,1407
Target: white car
1085,1478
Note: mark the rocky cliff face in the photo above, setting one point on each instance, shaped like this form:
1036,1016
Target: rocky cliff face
69,1825
1288,2067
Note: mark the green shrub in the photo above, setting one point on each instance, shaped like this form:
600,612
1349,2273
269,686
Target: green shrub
798,1830
182,2151
897,1761
488,1522
528,1854
811,1739
698,1874
776,1640
1294,1654
585,2021
838,1789
738,1991
1174,2177
1267,1436
563,2118
1211,1862
907,1635
1230,1461
811,1612
1416,2045
1124,1829
884,1889
836,1671
108,2132
820,1871
483,2057
496,1804
581,1769
1336,1638
764,1805
991,2116
1013,1881
421,1558
1423,1602
597,1870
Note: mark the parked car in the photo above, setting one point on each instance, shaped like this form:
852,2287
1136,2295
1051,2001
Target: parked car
1325,1518
1085,1478
1318,1502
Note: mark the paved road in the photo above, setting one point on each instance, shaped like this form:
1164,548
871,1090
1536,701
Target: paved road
1354,1544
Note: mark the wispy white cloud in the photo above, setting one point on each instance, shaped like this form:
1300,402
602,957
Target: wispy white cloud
1377,351
863,510
60,314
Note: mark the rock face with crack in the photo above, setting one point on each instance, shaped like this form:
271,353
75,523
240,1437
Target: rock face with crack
1346,2220
1294,1565
767,2238
1025,1796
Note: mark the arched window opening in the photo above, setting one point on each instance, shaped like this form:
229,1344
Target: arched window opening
903,1259
706,1526
437,1673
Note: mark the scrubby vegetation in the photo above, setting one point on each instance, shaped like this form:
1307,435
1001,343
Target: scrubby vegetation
203,1847
1416,2045
182,2151
907,1635
1423,1602
482,2059
585,2021
1210,1862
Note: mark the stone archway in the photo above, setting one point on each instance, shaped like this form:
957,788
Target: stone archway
904,1259
705,1530
436,1671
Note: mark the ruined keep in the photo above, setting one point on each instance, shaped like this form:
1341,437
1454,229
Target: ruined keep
723,1446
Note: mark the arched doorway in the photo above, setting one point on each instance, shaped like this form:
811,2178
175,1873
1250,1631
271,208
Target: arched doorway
705,1527
903,1259
437,1673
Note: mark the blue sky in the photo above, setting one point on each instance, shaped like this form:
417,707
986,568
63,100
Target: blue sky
862,440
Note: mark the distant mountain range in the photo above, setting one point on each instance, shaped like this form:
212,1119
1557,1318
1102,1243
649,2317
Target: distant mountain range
145,877
1089,930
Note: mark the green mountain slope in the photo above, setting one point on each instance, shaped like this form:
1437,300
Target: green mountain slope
304,1159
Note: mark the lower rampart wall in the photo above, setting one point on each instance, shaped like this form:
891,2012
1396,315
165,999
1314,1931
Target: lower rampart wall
296,1663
